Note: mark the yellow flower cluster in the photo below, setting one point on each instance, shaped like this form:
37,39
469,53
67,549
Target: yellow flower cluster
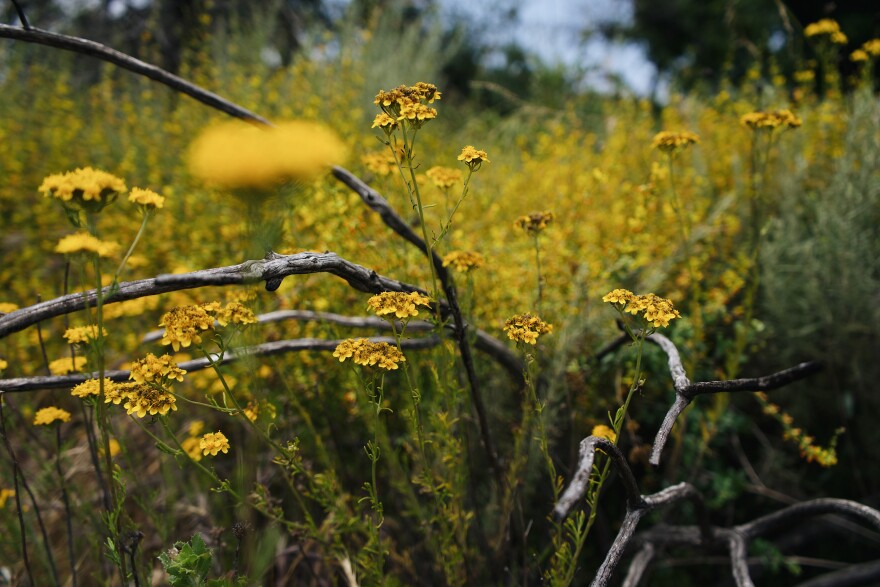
405,104
83,334
400,304
67,365
770,120
7,307
473,157
812,453
238,155
526,328
51,415
368,353
146,198
91,387
184,325
535,223
83,242
153,369
380,162
603,431
656,310
3,364
142,399
826,27
214,442
868,50
444,177
84,187
670,142
234,312
463,261
4,495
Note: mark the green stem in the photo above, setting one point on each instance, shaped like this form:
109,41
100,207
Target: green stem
134,243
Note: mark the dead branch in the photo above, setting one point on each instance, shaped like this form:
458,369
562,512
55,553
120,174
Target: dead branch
685,391
22,384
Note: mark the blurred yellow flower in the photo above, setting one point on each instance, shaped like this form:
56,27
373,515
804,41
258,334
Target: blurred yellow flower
4,495
7,307
534,223
770,120
49,415
238,155
3,364
526,328
826,27
91,387
444,177
83,242
67,365
604,431
83,334
669,142
380,162
146,198
463,261
368,353
214,442
192,447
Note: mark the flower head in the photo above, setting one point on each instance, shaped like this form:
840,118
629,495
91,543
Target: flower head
91,387
770,120
84,188
826,27
238,155
444,177
380,162
51,415
142,399
603,431
236,313
153,369
526,328
473,158
386,123
148,199
671,142
392,102
7,307
657,311
214,442
463,261
192,446
400,304
83,242
184,325
83,334
368,353
535,223
67,365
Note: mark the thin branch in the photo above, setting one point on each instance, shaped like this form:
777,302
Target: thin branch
639,565
22,384
863,574
685,391
799,511
105,53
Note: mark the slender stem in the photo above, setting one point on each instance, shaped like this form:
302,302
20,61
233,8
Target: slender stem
134,243
16,473
67,513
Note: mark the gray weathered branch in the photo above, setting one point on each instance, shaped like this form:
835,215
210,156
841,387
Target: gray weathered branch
22,384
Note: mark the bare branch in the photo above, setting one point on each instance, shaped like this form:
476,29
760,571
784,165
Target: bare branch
863,574
22,384
685,391
105,53
639,564
799,511
618,547
739,558
357,276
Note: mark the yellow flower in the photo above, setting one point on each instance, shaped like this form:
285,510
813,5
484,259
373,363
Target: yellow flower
526,328
184,325
402,305
367,353
236,313
473,158
416,113
618,296
604,431
670,142
67,365
385,122
83,334
444,177
146,198
826,26
142,399
153,369
380,162
86,188
196,427
872,47
463,261
50,415
91,387
83,242
770,120
657,311
858,55
239,155
4,495
192,447
535,223
7,307
3,365
214,442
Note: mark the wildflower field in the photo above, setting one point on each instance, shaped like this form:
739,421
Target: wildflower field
341,326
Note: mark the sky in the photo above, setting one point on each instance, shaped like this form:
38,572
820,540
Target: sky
554,30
